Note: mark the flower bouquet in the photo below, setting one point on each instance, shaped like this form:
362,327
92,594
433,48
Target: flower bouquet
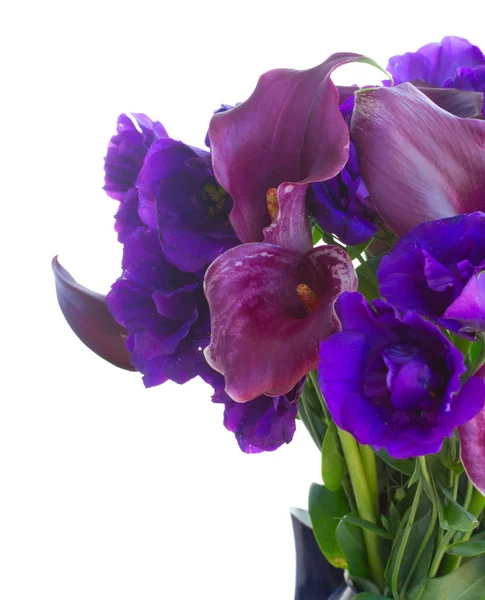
323,260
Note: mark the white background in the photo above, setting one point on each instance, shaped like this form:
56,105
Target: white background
107,490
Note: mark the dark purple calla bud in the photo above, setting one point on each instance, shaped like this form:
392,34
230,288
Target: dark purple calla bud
394,382
180,197
88,316
472,446
419,162
290,130
436,62
437,269
270,308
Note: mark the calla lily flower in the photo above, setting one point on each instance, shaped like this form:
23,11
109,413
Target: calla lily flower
271,305
415,177
472,445
290,130
88,316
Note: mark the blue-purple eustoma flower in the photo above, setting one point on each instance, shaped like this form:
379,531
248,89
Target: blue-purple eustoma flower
435,63
394,382
124,159
437,269
419,162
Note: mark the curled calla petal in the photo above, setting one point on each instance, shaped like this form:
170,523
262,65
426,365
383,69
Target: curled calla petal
291,228
461,103
472,440
88,316
270,309
419,162
289,130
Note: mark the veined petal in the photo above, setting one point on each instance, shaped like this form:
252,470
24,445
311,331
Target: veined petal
88,316
289,130
461,103
291,228
419,162
263,337
472,436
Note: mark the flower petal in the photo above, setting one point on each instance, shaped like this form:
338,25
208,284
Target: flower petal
461,103
88,316
289,130
263,340
472,435
291,228
412,177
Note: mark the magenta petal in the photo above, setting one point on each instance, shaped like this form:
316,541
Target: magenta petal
472,439
291,228
88,316
289,130
263,340
419,162
461,103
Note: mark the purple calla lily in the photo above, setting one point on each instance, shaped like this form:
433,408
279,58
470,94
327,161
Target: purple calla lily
290,130
412,177
88,316
270,309
472,445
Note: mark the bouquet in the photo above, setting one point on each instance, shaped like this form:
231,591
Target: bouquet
323,260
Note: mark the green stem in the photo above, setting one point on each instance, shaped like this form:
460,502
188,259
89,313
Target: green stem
370,468
404,539
364,502
316,386
429,531
443,545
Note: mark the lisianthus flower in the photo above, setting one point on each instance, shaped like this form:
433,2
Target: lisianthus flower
437,270
124,159
419,162
342,204
466,78
262,425
180,197
435,63
271,306
290,130
162,308
394,382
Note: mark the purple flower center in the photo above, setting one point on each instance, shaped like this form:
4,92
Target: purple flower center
214,199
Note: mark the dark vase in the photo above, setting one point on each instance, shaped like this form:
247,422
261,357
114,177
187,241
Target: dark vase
316,578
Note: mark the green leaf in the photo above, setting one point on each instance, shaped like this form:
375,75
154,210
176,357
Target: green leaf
333,463
472,547
394,518
370,596
351,540
316,235
466,583
326,508
418,531
363,524
405,466
365,585
456,516
355,251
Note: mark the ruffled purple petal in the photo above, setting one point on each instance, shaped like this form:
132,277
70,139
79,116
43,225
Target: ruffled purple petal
88,316
436,62
394,382
472,432
263,338
415,178
290,130
127,150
